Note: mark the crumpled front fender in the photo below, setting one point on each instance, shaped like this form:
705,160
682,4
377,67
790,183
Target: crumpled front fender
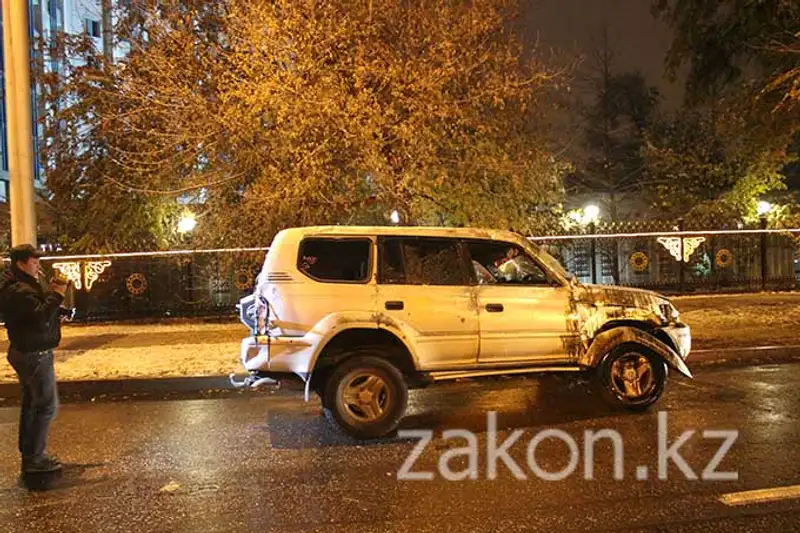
608,340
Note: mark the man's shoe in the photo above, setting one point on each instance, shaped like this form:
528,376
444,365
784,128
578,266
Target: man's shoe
45,463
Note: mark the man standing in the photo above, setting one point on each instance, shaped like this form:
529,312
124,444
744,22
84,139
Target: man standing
32,318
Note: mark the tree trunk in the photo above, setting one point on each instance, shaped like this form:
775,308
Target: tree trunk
108,35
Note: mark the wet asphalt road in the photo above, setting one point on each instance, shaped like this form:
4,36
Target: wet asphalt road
268,462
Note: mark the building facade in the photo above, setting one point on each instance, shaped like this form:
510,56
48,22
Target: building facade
48,18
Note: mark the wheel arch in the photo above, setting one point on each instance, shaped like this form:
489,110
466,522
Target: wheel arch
643,325
333,349
624,333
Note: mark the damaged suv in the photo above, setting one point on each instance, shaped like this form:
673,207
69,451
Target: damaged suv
361,314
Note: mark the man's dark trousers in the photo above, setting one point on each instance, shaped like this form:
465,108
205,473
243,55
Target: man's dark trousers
39,400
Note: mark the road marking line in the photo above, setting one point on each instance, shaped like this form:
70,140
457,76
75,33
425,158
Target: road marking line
748,349
761,495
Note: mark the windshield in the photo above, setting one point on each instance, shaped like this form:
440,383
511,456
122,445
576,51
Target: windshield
549,261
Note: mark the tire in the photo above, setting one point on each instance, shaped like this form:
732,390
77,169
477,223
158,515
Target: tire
366,396
318,384
641,387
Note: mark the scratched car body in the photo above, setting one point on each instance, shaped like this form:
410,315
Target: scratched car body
361,314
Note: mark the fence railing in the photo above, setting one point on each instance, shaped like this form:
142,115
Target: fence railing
680,262
210,282
157,284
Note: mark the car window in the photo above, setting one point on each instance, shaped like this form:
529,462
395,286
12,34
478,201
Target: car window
335,260
549,261
498,262
421,261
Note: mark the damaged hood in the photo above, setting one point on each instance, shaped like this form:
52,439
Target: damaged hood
607,295
596,304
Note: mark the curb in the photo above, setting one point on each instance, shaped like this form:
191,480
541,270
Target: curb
220,386
751,356
162,388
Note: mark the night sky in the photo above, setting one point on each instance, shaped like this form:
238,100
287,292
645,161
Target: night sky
573,27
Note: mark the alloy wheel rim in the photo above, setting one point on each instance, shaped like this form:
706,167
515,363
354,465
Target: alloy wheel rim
365,396
632,377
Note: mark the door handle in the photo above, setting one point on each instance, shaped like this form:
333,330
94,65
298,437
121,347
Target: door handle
394,305
494,308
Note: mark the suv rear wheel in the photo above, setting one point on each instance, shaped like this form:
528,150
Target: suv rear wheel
632,377
366,396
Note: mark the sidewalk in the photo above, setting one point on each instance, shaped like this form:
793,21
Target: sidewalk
118,351
742,320
723,327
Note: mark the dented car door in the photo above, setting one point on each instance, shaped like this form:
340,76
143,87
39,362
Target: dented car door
522,310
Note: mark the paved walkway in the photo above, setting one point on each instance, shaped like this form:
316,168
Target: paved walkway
182,348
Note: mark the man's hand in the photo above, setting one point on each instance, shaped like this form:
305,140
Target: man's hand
66,315
58,286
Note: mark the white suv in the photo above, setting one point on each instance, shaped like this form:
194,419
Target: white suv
360,314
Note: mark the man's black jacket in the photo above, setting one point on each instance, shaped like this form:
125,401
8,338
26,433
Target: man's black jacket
30,313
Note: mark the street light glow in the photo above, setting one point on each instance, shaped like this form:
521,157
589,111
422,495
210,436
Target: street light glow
186,224
763,207
395,217
576,216
591,213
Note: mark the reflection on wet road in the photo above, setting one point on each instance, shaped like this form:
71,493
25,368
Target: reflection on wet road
271,463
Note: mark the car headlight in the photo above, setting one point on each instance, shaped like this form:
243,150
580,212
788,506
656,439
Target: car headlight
668,312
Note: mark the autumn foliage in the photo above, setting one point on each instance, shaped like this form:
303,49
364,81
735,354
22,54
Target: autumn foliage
266,114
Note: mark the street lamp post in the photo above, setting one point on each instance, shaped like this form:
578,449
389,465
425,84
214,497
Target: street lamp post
17,73
593,253
186,225
681,262
591,213
763,208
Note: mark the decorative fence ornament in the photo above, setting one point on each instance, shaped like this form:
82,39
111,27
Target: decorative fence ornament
673,246
136,284
82,274
639,262
244,279
93,270
724,258
71,271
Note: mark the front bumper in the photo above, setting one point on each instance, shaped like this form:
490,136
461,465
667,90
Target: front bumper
681,336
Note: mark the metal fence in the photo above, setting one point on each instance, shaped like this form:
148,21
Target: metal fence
682,262
210,282
157,285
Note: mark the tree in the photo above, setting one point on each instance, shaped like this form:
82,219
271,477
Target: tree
741,115
711,164
611,167
107,17
91,211
276,113
721,40
787,82
616,127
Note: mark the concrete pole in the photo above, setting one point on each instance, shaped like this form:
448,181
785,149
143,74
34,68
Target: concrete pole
16,43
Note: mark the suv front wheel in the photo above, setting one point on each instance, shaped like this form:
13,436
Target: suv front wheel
632,377
366,396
